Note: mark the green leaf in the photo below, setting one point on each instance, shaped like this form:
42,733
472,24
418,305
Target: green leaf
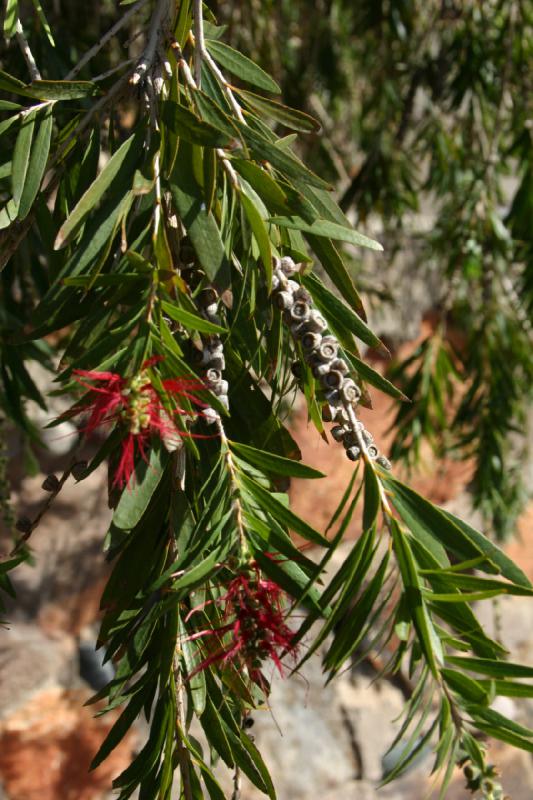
418,513
200,225
11,18
334,309
190,320
61,90
269,503
37,164
119,729
334,266
273,464
135,498
328,230
21,155
44,22
495,669
373,377
187,125
290,117
467,687
427,636
261,235
123,161
492,552
240,65
286,163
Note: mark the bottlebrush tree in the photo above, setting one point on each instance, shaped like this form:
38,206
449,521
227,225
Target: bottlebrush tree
159,242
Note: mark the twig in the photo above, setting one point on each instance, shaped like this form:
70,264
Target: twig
227,88
236,794
45,507
199,41
26,52
234,484
183,753
191,83
104,39
112,71
157,25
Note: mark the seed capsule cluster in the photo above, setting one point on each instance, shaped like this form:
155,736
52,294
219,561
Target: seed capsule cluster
321,352
211,360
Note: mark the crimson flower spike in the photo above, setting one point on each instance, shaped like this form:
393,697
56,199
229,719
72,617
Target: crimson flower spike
134,404
254,628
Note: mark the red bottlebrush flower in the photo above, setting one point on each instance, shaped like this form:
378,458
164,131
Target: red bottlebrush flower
254,628
135,404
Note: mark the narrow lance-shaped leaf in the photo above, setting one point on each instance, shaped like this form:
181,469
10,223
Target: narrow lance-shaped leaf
37,164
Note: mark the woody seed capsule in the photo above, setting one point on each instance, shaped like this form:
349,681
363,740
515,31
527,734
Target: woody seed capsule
338,432
299,311
332,379
353,453
288,266
350,392
372,451
284,300
310,341
328,349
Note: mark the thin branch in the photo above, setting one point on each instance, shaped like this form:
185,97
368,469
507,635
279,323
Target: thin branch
157,26
234,485
199,41
26,52
105,39
183,753
227,88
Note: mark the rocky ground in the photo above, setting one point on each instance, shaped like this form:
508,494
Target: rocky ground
325,743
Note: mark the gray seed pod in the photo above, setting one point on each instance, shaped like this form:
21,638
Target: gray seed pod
293,287
210,415
353,453
300,293
275,282
316,321
299,311
338,432
340,365
350,439
384,462
221,388
217,362
350,392
372,451
213,375
288,266
320,370
328,349
333,379
341,416
284,300
281,277
310,341
223,399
